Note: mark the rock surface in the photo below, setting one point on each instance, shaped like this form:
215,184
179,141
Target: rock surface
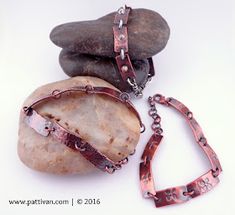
108,125
148,34
75,64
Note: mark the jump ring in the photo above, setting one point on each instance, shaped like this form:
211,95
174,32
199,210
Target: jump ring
142,128
124,96
109,170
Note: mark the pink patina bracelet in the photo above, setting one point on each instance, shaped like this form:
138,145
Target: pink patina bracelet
123,60
178,194
47,127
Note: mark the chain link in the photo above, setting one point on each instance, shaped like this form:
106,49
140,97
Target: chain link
178,194
156,125
137,90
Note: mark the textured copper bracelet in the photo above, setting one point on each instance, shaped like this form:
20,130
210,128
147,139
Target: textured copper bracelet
178,194
123,60
46,127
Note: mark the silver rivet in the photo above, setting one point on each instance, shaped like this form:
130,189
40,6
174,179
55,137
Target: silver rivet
203,141
121,37
190,115
124,68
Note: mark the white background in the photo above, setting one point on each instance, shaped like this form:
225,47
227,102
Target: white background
197,67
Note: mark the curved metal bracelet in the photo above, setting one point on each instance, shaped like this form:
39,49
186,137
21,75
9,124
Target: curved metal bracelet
121,49
45,127
178,194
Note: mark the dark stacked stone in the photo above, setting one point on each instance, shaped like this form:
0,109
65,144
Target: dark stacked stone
88,45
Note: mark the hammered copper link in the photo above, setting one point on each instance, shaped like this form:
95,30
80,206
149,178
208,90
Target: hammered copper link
179,194
45,127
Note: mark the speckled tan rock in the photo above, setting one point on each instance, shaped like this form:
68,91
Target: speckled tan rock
108,125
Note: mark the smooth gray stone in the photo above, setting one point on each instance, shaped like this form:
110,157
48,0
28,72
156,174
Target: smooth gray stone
148,34
75,64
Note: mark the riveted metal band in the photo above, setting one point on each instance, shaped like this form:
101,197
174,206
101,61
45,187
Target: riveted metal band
179,194
46,127
120,33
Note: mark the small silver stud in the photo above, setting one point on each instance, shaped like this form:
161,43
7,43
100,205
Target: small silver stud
121,37
124,68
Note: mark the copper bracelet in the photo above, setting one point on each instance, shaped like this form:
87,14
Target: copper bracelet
46,127
178,194
123,60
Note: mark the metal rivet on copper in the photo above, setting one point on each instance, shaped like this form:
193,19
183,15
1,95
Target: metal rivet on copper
124,96
124,68
203,141
190,115
79,148
121,37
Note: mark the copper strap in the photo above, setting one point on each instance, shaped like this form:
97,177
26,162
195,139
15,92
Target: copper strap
179,194
121,43
46,127
120,33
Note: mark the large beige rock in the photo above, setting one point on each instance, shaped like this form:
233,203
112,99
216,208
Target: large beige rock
108,125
